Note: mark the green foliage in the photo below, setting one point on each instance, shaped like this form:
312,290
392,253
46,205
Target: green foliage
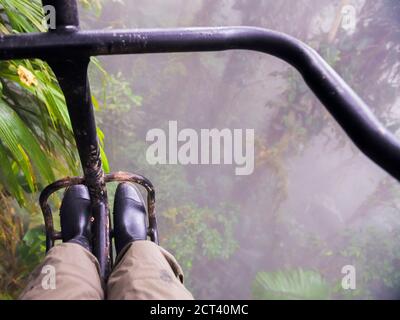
24,151
32,248
114,92
33,117
192,231
35,134
376,257
290,285
22,16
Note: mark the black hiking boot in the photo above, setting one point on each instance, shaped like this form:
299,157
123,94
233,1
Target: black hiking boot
75,215
129,216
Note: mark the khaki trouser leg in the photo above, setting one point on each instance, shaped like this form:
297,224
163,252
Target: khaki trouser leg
145,271
76,276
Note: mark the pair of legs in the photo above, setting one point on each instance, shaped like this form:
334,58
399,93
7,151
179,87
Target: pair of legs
143,270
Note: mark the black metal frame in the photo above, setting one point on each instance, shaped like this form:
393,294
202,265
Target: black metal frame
68,51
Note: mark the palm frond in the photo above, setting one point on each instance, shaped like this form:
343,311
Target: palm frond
23,146
42,143
290,285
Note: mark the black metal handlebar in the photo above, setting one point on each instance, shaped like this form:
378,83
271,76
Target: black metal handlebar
342,102
68,51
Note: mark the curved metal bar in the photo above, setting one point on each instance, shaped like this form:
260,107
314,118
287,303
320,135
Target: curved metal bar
51,234
354,116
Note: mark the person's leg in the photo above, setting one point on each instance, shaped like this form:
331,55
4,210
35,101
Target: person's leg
69,270
143,270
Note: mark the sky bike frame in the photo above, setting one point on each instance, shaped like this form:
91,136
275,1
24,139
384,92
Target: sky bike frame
68,50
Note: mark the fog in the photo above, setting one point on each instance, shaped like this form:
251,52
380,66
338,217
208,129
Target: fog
313,201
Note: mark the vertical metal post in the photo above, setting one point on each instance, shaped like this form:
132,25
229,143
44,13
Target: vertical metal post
67,17
73,79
